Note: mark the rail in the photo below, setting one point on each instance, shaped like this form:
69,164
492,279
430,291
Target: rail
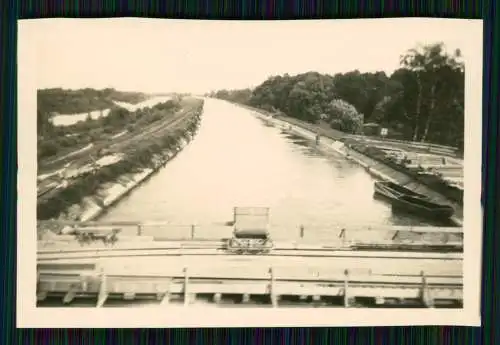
420,145
120,234
70,281
355,237
342,231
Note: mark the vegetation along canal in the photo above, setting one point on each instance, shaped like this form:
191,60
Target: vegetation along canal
236,159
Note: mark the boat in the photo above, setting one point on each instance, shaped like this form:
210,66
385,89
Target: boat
403,199
422,207
392,190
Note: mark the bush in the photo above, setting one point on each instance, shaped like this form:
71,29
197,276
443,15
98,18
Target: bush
347,116
336,124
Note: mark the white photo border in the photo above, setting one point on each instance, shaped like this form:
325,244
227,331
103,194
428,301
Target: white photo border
28,315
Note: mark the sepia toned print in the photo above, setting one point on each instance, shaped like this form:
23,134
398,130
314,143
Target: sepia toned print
170,176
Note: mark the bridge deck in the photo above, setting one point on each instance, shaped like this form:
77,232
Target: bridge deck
167,261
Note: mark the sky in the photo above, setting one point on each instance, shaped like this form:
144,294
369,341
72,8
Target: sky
159,55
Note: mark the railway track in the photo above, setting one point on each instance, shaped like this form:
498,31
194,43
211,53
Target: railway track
168,125
218,248
82,158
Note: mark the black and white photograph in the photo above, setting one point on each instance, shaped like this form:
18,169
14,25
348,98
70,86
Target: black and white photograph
322,172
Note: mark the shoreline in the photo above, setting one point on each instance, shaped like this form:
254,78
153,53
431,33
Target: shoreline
374,168
137,180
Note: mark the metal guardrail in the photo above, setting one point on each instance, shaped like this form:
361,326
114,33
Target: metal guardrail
301,229
406,142
70,281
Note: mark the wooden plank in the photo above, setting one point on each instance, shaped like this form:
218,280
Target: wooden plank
90,223
97,229
322,273
65,266
65,286
255,287
186,286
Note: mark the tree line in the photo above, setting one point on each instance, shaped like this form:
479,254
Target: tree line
423,100
62,101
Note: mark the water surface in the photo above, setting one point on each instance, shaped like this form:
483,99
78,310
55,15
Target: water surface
236,160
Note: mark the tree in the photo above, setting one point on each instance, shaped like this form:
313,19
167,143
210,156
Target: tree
346,115
430,64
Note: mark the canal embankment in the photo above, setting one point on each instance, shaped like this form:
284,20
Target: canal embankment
90,195
335,143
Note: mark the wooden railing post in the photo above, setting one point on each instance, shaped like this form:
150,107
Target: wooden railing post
342,234
186,288
395,235
139,229
272,288
192,231
165,296
427,299
301,231
103,290
346,286
217,297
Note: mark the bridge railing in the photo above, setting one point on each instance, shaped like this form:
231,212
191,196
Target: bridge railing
70,281
303,233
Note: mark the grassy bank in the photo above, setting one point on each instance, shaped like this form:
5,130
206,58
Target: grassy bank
92,192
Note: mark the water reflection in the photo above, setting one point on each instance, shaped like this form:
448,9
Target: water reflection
235,160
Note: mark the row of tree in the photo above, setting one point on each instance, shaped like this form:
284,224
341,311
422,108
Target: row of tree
423,100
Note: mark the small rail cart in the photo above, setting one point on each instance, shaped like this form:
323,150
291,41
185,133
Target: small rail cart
250,234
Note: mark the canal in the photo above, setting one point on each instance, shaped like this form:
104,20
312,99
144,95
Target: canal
238,160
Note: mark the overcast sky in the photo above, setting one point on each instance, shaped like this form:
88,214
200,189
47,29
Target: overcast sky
157,55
